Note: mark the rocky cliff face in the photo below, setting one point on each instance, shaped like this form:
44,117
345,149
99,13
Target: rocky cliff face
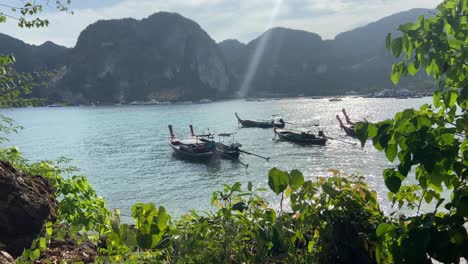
162,57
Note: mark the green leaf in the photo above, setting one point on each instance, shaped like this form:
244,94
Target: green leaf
42,244
409,27
391,151
144,241
436,99
397,45
392,181
388,41
372,130
249,186
296,179
396,74
361,132
412,69
35,254
278,180
163,218
383,228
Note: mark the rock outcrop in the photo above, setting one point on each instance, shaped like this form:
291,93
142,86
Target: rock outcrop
26,202
164,57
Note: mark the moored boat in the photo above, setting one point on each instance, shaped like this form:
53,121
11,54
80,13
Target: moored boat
301,137
228,151
349,129
192,148
225,151
261,124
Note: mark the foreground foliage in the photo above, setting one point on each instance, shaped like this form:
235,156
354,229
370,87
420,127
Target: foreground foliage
430,142
328,220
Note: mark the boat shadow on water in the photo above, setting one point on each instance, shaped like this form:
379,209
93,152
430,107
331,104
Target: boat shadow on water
214,165
212,162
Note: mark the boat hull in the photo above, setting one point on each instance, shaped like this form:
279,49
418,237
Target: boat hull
250,123
194,156
300,138
349,131
226,152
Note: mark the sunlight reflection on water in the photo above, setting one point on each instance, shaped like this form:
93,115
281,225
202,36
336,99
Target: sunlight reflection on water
124,150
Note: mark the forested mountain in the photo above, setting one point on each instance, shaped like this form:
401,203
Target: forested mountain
169,57
33,58
162,57
298,62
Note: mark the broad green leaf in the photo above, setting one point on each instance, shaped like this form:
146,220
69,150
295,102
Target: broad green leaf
296,179
383,228
391,151
35,254
144,241
278,180
397,45
163,218
392,181
412,69
436,98
388,41
409,26
371,130
42,244
361,132
396,74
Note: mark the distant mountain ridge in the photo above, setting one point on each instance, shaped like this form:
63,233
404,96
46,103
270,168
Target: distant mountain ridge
300,62
31,57
168,57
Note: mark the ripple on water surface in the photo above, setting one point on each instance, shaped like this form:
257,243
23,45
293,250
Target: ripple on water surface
125,153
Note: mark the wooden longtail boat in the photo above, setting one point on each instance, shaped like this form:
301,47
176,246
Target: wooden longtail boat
231,151
192,148
349,130
228,151
261,124
301,137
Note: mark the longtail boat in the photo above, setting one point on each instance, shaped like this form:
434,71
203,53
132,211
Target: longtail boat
349,130
192,148
300,137
231,151
261,124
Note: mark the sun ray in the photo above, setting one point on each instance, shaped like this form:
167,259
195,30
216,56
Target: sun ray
259,52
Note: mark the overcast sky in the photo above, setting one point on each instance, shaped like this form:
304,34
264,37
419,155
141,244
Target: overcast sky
222,19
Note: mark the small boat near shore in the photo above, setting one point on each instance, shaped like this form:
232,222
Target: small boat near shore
301,137
261,124
225,151
192,148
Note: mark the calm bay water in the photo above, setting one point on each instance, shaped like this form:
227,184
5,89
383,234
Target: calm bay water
124,150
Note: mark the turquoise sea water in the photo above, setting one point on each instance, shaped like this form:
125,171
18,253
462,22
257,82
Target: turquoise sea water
124,150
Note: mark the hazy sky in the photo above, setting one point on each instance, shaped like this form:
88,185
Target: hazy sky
222,19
